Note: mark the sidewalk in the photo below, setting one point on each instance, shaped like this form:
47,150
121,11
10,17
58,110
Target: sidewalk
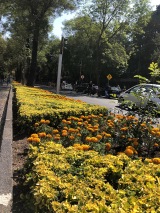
6,186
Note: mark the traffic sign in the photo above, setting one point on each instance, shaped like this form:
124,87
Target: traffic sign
109,76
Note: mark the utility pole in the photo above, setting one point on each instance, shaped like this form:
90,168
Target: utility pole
60,65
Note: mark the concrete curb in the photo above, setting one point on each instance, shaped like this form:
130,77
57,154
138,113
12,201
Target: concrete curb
6,173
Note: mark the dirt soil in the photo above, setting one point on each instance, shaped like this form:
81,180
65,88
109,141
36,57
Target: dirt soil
19,151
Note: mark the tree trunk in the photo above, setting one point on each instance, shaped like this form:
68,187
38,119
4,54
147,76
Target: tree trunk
33,67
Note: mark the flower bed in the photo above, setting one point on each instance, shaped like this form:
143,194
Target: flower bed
70,180
91,162
32,104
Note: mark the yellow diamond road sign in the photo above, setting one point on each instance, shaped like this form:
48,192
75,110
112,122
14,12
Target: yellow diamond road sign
109,76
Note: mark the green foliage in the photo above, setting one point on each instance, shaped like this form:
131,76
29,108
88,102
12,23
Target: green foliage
142,79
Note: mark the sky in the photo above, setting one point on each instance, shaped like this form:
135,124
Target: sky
58,23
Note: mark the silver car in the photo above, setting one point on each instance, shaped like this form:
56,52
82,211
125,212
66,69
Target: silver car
141,96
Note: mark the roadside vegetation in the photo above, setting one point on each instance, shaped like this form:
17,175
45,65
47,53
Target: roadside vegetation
93,161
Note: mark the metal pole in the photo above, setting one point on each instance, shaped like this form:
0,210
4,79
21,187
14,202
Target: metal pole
60,66
59,73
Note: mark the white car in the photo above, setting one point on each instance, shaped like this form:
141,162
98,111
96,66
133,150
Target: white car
66,86
141,96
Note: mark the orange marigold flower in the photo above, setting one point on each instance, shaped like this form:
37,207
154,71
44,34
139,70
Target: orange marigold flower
71,137
143,124
49,136
158,133
156,160
76,144
124,129
57,138
135,143
88,139
37,140
29,139
129,152
156,144
47,122
34,135
42,134
68,122
85,147
79,135
99,137
64,121
64,134
94,139
42,121
107,135
65,127
55,131
108,146
156,129
36,124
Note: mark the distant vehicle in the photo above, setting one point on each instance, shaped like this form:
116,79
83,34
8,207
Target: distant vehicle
113,91
66,86
142,96
81,87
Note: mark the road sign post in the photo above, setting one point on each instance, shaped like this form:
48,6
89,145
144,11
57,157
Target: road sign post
109,77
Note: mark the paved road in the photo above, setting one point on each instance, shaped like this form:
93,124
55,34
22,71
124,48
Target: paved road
111,104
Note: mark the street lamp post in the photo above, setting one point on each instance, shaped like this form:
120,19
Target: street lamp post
60,65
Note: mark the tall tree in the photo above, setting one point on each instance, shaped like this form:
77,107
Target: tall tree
105,32
33,16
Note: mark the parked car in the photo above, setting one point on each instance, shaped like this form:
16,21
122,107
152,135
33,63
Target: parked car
142,96
66,86
81,87
86,89
109,92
